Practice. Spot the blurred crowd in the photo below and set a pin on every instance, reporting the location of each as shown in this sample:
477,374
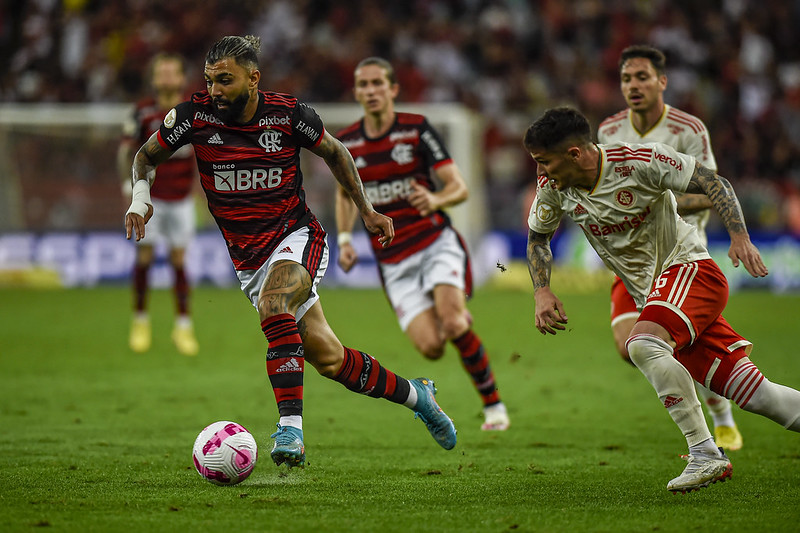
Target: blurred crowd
734,63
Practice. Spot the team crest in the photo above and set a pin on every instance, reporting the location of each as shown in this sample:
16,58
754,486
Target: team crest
270,140
169,120
624,198
403,153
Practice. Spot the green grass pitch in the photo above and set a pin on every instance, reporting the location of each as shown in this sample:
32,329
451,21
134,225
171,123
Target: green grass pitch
96,438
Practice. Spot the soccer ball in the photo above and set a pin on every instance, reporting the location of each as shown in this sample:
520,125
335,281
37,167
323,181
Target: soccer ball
225,453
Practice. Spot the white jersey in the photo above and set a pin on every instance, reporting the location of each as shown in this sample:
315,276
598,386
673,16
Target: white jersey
684,132
630,217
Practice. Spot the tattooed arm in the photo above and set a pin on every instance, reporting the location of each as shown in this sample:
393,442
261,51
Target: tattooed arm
344,170
692,203
721,194
149,156
549,312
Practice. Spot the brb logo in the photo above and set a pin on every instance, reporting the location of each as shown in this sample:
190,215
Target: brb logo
244,179
270,140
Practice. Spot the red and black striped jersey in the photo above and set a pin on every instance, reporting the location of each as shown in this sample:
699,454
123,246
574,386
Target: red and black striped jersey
387,165
250,172
174,177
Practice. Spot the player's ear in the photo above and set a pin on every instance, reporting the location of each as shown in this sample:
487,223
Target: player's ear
574,152
255,77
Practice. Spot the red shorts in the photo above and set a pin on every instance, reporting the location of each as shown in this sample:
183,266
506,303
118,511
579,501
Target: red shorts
687,300
622,304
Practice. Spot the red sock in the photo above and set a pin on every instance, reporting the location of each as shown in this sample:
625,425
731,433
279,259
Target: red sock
140,285
181,291
476,362
285,363
363,373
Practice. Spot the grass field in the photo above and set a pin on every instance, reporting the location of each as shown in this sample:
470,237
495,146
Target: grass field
97,438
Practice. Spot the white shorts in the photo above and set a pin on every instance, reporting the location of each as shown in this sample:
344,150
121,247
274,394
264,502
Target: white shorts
294,247
409,284
173,223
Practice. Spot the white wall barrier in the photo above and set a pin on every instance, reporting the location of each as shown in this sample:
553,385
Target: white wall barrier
86,259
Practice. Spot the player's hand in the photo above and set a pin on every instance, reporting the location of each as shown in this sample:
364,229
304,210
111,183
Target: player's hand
550,315
380,225
134,223
745,251
422,199
347,256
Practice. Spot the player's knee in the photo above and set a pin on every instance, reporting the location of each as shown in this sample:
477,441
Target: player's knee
430,348
622,350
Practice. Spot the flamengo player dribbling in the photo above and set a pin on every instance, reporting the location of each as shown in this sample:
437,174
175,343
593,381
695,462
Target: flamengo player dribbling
426,272
247,143
620,195
643,79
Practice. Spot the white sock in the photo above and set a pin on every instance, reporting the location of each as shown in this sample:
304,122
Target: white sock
295,421
719,407
707,447
673,384
183,321
411,401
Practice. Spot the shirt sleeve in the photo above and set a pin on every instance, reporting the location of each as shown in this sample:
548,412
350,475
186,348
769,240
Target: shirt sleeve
177,130
699,146
307,127
669,168
433,150
546,212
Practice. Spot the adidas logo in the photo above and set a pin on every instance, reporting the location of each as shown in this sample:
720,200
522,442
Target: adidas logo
285,250
669,401
290,366
655,294
579,210
360,162
215,139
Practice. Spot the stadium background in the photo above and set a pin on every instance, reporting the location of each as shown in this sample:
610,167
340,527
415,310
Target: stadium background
487,68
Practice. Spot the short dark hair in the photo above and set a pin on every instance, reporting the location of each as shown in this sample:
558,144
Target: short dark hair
242,49
556,126
656,56
382,63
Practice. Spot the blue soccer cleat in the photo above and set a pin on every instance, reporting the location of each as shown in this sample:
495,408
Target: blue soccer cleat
288,447
437,422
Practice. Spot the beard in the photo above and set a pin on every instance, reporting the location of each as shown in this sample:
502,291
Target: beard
234,108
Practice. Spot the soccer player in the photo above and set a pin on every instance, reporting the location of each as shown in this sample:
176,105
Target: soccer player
647,120
247,144
426,272
174,219
620,195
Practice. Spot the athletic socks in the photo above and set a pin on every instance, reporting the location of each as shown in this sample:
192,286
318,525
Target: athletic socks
476,363
362,373
140,284
181,287
673,384
719,407
285,363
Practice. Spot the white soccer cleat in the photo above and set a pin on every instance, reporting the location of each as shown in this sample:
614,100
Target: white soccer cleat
702,471
495,418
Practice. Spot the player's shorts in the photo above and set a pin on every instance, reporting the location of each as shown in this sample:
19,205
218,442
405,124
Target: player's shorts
409,284
622,304
173,223
306,246
687,300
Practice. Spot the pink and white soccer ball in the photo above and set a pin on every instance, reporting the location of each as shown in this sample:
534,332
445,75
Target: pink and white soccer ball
225,453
